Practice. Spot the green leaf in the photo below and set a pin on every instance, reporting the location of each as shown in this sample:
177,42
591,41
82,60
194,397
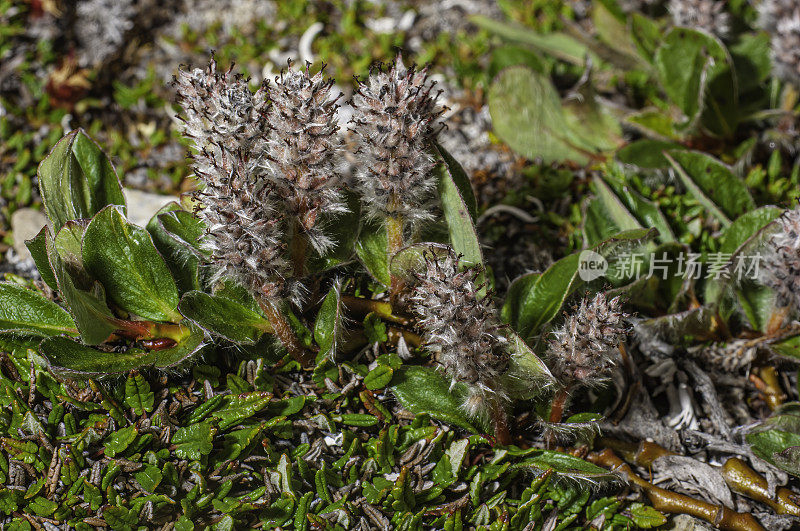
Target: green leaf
42,506
138,395
460,179
712,183
118,441
327,327
534,299
746,226
195,441
646,153
645,35
88,308
463,236
372,248
527,375
422,390
751,56
378,378
149,478
38,249
660,127
224,317
688,61
590,126
71,359
27,312
558,45
124,259
527,115
643,212
77,180
120,518
182,258
238,408
565,465
645,516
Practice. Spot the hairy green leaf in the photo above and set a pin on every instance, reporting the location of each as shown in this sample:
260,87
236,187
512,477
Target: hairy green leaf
123,258
77,180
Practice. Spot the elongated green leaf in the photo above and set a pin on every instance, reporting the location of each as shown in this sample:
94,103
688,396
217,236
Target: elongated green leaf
460,179
77,180
566,465
38,250
372,248
224,317
327,327
712,183
88,308
27,312
630,210
138,395
556,44
423,390
124,259
72,359
616,210
463,236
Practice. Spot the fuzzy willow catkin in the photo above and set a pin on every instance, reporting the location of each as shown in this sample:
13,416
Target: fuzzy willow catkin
780,267
222,117
583,350
304,150
395,116
708,15
461,325
781,18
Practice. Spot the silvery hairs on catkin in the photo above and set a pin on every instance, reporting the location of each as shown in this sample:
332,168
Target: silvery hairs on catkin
395,117
238,206
780,268
781,18
305,150
461,325
584,349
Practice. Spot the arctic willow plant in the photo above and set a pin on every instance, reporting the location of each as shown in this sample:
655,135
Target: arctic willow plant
250,254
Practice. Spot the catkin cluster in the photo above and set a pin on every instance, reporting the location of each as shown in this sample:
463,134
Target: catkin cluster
461,325
584,349
395,116
780,269
269,162
781,18
708,15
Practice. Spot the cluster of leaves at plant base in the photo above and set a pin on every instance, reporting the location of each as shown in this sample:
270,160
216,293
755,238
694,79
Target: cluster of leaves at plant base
227,450
120,298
